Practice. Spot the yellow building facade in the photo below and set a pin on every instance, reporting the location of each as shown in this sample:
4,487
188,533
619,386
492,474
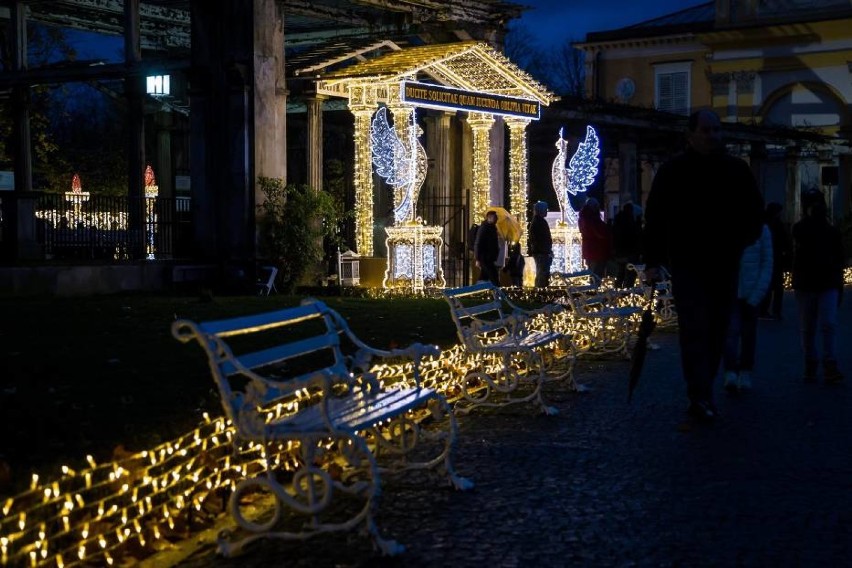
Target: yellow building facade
781,68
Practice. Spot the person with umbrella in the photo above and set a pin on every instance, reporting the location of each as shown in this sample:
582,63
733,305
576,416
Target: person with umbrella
701,247
486,249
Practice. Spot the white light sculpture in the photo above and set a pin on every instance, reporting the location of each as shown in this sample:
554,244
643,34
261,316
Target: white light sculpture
414,249
574,179
402,164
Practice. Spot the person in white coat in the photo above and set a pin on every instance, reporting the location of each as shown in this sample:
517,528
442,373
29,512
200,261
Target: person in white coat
754,279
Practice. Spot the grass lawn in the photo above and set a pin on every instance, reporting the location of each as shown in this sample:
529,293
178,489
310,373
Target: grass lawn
86,375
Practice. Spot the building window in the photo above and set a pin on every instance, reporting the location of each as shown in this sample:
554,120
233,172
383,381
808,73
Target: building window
672,82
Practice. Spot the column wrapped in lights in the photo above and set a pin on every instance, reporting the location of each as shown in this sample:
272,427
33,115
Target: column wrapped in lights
518,174
363,182
480,196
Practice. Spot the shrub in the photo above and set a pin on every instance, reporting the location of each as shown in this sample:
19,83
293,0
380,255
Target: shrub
292,223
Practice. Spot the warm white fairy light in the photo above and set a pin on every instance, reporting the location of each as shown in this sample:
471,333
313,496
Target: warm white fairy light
363,183
518,173
480,193
103,519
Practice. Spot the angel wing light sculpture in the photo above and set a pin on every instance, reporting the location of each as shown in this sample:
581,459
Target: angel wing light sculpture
576,178
401,163
579,174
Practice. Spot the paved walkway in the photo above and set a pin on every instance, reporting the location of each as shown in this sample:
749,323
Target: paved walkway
605,483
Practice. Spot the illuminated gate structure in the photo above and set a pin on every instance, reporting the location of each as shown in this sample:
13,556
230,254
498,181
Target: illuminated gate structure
464,76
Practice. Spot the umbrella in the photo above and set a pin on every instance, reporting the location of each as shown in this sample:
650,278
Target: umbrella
507,225
637,360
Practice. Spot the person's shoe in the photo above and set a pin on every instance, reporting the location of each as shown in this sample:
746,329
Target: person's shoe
702,410
745,380
731,383
810,371
832,373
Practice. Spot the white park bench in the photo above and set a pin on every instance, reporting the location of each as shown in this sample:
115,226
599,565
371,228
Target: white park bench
664,307
602,319
512,346
302,387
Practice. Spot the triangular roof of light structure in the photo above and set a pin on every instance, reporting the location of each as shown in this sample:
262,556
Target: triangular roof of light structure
469,65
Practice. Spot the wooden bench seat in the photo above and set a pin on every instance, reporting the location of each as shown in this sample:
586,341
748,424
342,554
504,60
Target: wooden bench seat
301,384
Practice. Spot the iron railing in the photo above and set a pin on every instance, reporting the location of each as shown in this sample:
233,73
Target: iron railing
83,227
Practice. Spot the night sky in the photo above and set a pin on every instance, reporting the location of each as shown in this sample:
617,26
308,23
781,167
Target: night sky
553,21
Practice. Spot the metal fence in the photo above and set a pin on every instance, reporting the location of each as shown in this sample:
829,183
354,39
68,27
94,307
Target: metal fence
83,227
452,215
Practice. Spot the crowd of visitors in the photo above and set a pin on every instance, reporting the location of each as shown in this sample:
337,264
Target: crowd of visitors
722,281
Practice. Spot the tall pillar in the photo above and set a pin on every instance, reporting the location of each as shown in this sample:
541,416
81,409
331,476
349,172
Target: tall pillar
496,158
401,120
238,101
519,173
480,191
314,124
134,90
363,182
165,177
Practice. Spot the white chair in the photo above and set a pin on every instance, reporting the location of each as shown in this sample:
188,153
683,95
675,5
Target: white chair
349,268
265,287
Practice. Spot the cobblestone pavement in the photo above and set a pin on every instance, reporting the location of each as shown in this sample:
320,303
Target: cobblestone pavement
605,483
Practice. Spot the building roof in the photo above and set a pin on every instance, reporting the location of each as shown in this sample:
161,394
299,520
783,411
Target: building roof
695,19
467,65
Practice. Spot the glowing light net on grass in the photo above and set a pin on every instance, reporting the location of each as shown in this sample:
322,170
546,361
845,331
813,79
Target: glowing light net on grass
131,508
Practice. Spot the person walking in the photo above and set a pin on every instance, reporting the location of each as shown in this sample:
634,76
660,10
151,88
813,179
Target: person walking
755,273
627,244
486,249
818,264
770,307
701,246
540,245
597,237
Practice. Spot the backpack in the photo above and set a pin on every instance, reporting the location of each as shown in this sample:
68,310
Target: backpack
471,237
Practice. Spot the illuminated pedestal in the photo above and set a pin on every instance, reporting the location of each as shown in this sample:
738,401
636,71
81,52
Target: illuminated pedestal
414,257
567,249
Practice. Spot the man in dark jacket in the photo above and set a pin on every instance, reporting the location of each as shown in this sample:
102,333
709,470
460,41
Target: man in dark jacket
540,245
704,208
486,249
818,264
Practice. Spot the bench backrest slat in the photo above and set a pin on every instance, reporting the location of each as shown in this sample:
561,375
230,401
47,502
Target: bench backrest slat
280,353
259,322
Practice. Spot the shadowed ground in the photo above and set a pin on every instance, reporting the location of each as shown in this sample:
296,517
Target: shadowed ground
605,483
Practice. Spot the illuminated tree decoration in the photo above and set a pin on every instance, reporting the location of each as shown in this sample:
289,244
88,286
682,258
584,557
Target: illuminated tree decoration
574,179
151,188
402,164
